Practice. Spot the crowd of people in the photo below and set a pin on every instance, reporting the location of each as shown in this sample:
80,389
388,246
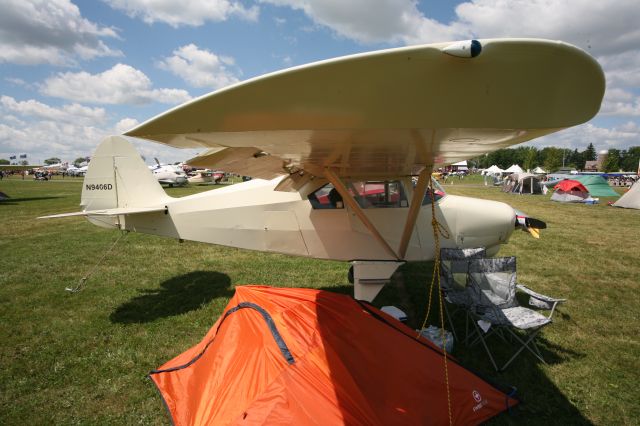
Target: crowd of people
622,180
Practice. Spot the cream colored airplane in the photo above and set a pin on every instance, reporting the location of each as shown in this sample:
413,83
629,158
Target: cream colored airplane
333,147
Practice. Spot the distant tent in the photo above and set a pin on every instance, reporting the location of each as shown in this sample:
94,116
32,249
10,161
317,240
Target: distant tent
522,183
303,356
514,169
631,199
493,170
461,165
539,171
596,185
570,191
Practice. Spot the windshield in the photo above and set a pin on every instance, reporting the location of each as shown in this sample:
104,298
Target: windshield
439,192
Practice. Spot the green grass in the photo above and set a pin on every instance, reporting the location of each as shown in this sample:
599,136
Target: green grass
83,358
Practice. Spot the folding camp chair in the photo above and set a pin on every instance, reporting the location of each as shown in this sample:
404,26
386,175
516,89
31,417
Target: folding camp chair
454,268
492,288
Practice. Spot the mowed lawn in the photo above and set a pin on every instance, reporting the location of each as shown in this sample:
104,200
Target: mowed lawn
82,358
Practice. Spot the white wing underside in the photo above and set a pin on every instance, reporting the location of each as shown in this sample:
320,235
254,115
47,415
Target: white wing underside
387,113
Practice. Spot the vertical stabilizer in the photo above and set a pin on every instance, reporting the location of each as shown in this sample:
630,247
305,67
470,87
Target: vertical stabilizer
117,177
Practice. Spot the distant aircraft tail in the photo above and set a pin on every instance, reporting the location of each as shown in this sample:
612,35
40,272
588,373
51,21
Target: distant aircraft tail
117,178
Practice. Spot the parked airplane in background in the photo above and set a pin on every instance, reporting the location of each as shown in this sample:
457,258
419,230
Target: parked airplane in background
333,147
77,171
169,174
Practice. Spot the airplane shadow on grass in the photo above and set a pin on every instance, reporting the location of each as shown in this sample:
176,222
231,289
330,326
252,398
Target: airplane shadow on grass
175,296
14,201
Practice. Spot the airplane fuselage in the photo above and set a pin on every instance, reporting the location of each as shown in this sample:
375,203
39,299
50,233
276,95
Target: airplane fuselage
251,215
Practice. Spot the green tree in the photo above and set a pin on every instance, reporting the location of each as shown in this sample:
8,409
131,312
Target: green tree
79,161
4,161
531,159
574,159
612,163
589,154
630,159
552,158
52,160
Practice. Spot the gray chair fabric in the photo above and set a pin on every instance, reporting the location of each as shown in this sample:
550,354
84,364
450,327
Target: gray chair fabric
454,269
492,285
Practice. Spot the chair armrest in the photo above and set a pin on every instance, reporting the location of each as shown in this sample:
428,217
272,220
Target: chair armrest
538,295
540,300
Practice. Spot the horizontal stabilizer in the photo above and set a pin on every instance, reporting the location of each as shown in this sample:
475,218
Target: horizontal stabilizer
109,212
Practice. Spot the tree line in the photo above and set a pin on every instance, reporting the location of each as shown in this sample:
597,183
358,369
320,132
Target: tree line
552,159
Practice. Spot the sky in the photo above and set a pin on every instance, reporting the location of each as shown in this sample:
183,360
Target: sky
73,72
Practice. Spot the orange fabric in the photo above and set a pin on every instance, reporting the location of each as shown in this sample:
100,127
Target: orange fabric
349,368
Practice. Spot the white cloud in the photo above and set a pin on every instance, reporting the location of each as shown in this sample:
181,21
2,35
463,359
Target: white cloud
620,137
125,125
51,32
71,113
122,84
619,102
603,27
185,12
365,21
200,68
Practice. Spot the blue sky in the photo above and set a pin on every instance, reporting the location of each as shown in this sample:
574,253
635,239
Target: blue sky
74,72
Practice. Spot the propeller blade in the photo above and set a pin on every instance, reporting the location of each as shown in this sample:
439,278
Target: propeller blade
529,224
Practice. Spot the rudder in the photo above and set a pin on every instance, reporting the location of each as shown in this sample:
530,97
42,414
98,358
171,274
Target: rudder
118,177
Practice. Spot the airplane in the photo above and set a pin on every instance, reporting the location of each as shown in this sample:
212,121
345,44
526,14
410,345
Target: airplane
341,153
72,170
168,174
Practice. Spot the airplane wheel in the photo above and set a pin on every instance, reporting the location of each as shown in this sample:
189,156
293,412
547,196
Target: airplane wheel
350,274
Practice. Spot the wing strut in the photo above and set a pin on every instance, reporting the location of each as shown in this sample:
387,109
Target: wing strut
414,209
348,198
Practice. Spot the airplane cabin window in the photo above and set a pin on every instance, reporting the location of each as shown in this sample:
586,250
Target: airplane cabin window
368,194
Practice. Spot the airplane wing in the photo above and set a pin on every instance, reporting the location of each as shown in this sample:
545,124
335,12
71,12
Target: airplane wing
390,112
109,212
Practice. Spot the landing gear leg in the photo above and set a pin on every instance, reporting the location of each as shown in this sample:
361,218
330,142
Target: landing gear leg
369,276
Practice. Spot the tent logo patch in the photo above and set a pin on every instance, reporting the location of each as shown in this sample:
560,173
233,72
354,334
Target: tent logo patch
478,398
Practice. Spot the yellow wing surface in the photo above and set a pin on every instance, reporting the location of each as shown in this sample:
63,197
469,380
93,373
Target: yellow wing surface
389,112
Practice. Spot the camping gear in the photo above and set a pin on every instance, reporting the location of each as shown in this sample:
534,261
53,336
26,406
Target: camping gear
631,199
434,334
570,191
522,183
493,285
596,185
397,313
304,356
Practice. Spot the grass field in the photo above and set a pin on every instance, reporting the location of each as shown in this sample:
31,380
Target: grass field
83,358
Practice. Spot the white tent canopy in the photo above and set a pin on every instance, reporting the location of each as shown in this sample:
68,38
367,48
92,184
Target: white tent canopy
515,169
631,199
494,169
538,170
461,165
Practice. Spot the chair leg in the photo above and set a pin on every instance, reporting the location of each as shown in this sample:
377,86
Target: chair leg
450,319
486,348
525,345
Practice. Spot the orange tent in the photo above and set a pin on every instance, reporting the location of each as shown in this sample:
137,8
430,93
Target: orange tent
302,356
